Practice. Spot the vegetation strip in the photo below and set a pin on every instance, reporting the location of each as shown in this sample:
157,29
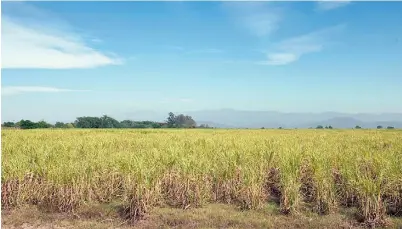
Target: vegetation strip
61,170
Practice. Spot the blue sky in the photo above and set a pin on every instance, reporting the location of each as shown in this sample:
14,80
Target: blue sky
61,60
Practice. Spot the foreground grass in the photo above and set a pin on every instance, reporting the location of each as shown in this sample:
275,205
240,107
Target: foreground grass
301,170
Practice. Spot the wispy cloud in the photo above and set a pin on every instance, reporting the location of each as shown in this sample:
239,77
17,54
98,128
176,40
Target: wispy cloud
31,38
15,90
324,5
292,49
260,18
280,59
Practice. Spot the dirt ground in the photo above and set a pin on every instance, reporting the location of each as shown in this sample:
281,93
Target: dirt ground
211,216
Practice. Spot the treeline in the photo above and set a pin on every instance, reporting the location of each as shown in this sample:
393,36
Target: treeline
173,121
28,124
356,127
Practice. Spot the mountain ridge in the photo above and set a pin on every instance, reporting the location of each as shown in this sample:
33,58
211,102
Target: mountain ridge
231,118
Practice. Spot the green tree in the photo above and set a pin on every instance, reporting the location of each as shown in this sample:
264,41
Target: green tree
9,124
171,120
357,127
379,127
139,124
109,122
60,125
69,125
155,125
185,121
26,124
390,127
204,126
127,124
330,127
180,121
96,122
88,122
319,127
42,124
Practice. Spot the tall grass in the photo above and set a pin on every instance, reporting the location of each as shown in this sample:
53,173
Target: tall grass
320,170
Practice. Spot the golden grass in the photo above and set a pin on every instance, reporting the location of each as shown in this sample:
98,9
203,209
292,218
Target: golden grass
319,170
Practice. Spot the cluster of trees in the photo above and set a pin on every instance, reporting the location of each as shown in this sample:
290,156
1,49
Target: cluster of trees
173,121
356,127
180,121
378,127
326,127
96,122
28,124
388,127
109,122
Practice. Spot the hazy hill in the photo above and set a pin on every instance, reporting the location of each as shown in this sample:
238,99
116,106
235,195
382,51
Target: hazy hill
230,118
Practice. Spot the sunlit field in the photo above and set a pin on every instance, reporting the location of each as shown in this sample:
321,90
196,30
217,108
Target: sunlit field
321,171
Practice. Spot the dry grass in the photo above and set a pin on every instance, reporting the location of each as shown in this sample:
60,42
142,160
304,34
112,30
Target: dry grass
210,216
317,170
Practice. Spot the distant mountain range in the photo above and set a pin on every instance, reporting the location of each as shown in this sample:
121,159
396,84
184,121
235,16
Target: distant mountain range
230,118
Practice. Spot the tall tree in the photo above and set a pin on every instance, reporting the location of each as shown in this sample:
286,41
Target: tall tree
88,122
180,121
70,125
60,125
109,122
43,124
127,124
171,120
26,124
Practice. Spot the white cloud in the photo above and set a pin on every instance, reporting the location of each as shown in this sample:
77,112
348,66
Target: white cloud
325,5
15,90
32,39
279,59
292,49
260,18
